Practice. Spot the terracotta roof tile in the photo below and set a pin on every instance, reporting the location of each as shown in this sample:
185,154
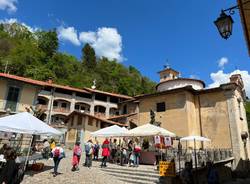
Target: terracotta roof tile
108,93
122,116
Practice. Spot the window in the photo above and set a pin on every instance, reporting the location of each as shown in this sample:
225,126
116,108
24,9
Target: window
12,98
125,109
77,107
101,97
64,105
160,107
96,123
239,109
55,104
82,108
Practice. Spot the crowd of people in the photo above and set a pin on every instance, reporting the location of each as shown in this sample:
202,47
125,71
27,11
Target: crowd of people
111,151
123,153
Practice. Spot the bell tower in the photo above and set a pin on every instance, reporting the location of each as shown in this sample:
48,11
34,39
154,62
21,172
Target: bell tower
168,74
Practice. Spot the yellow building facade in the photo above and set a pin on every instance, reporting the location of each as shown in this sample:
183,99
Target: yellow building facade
17,95
184,106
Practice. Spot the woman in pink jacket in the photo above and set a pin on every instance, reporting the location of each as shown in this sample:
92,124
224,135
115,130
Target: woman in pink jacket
105,152
77,152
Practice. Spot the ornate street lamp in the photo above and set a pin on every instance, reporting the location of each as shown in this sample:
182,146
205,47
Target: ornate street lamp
224,24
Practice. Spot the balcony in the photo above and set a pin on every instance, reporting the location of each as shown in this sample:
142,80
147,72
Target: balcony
43,107
61,110
100,115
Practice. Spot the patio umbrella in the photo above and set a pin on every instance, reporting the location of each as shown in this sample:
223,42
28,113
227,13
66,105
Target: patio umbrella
148,130
112,131
195,138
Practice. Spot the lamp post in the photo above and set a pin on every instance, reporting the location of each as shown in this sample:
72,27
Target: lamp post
224,22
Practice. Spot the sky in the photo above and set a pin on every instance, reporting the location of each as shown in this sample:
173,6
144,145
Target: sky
146,34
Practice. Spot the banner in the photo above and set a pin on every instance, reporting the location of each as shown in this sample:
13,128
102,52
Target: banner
167,141
157,139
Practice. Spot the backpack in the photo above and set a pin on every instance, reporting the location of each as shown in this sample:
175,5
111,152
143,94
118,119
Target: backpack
57,152
88,149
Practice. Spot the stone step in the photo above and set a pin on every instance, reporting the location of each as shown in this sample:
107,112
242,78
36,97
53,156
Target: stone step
134,179
133,172
133,175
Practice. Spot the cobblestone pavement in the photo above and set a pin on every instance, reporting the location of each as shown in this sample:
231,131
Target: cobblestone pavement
112,174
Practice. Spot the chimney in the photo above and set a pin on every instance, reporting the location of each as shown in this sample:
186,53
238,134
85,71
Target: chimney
236,78
50,80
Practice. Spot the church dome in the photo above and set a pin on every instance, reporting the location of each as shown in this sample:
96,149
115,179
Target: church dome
169,79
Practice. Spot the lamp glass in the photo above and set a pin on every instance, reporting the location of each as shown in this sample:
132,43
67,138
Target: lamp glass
224,25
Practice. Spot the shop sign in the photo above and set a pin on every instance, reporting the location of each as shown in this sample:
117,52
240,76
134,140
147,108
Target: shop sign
167,168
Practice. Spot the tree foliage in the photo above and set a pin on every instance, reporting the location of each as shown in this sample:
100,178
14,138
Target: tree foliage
247,106
88,57
35,55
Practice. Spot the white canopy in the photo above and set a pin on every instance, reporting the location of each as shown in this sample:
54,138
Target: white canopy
194,138
26,123
149,130
112,131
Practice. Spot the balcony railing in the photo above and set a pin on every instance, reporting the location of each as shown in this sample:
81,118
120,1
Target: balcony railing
43,107
85,111
100,115
60,109
202,156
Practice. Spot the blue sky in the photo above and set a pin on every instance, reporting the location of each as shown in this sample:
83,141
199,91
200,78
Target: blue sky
144,33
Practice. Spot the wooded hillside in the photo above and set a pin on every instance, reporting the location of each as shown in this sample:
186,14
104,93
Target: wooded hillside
36,55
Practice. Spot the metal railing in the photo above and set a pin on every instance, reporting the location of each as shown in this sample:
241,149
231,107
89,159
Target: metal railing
202,156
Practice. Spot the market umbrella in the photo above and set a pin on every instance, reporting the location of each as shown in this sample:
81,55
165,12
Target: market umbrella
112,131
149,130
195,138
26,123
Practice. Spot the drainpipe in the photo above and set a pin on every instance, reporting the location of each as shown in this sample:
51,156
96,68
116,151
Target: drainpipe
200,123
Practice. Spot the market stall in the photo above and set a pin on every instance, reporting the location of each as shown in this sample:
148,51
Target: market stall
26,123
149,133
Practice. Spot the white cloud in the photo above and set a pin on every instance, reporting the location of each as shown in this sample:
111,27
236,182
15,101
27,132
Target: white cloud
14,20
68,34
88,37
107,42
222,62
9,5
220,77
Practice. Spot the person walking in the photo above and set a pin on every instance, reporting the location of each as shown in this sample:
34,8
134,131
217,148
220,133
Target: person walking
137,150
96,150
105,152
88,153
113,147
77,152
57,154
131,156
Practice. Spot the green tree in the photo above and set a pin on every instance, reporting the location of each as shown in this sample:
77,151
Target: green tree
88,57
247,106
48,42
